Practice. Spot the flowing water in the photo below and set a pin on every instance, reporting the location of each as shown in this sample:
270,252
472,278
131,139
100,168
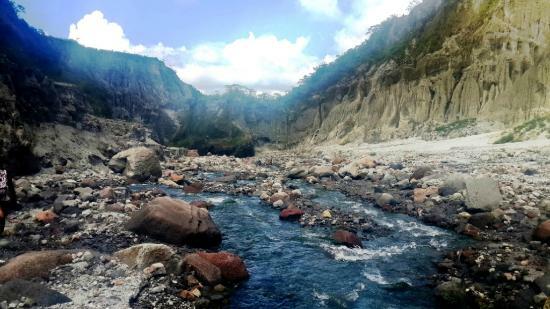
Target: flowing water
294,267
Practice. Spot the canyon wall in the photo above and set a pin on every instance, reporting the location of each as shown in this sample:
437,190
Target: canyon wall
492,64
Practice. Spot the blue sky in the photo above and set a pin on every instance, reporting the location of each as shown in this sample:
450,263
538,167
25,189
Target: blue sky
268,45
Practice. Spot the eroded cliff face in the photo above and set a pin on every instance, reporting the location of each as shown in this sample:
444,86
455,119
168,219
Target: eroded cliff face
494,66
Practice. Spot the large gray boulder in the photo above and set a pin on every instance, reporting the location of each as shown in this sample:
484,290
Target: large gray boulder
138,164
482,194
176,222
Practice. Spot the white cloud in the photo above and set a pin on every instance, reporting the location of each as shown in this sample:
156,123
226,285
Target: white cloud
327,8
93,30
265,63
363,15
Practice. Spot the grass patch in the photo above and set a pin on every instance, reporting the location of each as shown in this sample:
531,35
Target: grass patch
507,138
528,130
455,126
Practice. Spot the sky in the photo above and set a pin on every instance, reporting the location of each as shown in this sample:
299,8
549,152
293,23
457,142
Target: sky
267,45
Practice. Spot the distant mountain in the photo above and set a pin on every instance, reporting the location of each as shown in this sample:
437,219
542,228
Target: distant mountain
46,79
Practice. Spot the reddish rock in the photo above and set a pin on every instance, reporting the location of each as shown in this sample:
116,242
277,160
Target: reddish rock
542,232
34,264
177,222
291,214
45,217
107,193
204,270
348,239
177,178
193,153
231,266
187,295
193,188
420,195
88,182
470,230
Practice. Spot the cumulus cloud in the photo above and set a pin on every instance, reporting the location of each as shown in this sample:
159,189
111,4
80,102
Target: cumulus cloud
94,30
328,8
265,63
364,14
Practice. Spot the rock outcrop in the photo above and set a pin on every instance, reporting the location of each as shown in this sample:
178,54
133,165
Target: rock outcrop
138,164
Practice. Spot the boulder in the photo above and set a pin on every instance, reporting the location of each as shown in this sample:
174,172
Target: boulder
39,295
482,194
168,183
420,195
348,239
231,266
144,255
85,194
193,188
452,293
350,170
366,162
421,172
470,230
202,204
34,264
279,196
321,171
384,199
138,164
326,214
177,178
291,214
107,193
297,173
453,184
45,217
483,219
176,222
204,270
542,232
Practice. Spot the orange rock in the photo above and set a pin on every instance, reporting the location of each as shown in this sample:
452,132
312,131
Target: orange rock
543,231
420,195
46,216
176,178
187,295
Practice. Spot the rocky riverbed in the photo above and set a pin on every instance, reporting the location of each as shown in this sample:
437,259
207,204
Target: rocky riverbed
97,238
